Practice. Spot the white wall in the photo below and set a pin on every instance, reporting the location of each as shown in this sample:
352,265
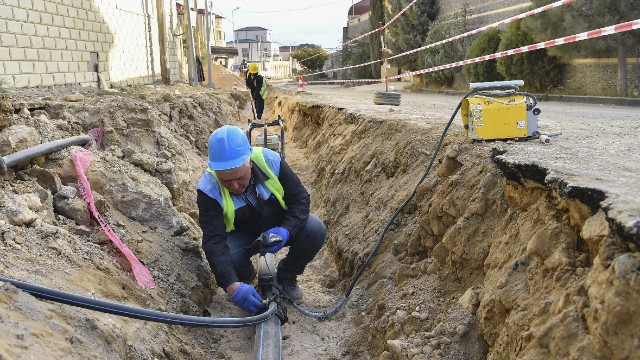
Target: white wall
53,42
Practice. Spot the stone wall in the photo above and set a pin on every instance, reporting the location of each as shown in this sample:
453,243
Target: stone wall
599,77
60,42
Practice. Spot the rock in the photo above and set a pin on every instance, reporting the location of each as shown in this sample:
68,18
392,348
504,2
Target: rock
164,154
461,330
18,137
68,205
6,111
594,230
144,161
626,267
45,178
24,113
47,98
470,300
540,244
73,97
165,167
440,253
395,348
17,211
449,167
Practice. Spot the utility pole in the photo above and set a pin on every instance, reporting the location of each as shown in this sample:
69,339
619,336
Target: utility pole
193,77
233,27
162,37
197,35
208,20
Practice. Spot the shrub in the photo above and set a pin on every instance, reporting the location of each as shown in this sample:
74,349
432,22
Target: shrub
485,44
539,70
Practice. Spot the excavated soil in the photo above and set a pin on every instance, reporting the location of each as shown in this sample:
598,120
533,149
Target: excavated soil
499,255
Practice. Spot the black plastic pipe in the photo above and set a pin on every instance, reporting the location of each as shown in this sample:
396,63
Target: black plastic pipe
49,147
136,312
268,339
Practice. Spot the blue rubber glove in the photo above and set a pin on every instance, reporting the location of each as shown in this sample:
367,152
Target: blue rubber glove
247,298
283,234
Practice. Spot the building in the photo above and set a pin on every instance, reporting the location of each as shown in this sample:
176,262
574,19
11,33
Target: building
255,44
90,43
358,20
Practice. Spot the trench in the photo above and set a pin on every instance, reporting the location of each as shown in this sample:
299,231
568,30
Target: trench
487,261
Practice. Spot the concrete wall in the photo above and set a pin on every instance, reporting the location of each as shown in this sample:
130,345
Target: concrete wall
58,42
599,77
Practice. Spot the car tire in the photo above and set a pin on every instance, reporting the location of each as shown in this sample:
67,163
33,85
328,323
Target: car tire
387,98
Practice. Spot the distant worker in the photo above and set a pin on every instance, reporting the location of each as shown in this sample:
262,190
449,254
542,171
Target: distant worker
258,88
246,192
243,68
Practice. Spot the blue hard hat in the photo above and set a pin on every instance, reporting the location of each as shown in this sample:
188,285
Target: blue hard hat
228,148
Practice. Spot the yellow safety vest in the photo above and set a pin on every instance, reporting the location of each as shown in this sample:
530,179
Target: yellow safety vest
273,184
263,89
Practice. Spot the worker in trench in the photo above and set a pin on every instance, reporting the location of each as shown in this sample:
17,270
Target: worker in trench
246,192
258,88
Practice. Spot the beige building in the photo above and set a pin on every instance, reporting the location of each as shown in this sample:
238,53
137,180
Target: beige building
61,42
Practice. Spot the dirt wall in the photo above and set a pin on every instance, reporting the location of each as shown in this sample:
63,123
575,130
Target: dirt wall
476,266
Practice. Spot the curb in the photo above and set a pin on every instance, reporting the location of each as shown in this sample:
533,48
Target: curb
601,100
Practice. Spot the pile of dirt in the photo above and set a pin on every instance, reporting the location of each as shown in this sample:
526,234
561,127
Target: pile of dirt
224,79
484,261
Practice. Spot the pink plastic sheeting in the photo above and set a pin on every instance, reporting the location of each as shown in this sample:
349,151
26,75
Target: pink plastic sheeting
81,161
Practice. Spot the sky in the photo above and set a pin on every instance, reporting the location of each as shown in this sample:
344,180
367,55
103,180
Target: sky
292,22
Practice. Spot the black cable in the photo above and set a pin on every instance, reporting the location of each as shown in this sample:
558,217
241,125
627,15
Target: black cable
136,312
334,309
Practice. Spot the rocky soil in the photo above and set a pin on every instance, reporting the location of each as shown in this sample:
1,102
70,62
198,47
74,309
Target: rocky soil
506,251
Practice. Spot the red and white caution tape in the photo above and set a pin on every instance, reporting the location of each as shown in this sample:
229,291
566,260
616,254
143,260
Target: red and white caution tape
472,32
614,29
487,27
81,161
343,81
367,34
344,68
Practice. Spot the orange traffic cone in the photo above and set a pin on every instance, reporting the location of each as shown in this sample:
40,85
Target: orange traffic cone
300,84
235,86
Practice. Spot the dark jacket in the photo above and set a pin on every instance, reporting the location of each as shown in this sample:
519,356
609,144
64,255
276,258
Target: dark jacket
254,84
249,220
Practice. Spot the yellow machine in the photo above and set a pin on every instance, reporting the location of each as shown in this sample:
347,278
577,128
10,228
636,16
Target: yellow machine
498,111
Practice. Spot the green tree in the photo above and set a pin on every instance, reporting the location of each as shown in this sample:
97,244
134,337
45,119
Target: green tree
408,31
539,70
376,18
356,53
447,53
314,63
485,44
586,15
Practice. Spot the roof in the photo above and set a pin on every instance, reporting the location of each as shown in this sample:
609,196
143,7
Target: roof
252,28
359,8
179,8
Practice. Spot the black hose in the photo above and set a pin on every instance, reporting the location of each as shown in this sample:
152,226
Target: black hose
136,312
28,154
331,311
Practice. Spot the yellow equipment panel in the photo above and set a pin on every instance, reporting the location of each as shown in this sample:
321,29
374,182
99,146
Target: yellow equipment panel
495,118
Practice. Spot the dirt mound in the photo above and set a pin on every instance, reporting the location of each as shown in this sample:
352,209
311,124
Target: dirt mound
486,261
225,79
477,265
